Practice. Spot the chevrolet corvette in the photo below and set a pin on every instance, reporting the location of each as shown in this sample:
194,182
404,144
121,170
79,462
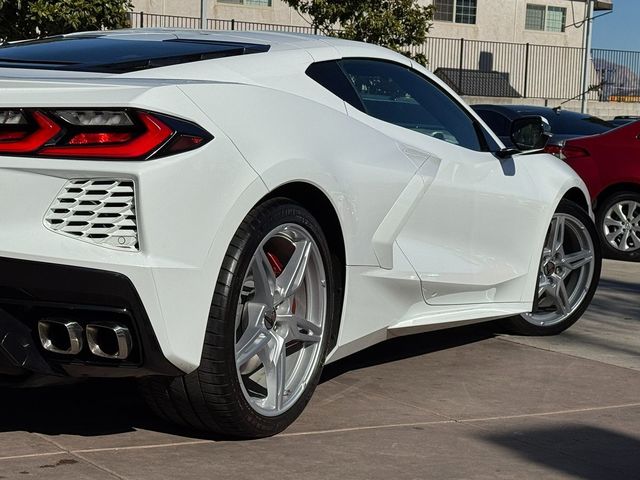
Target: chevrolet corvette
221,214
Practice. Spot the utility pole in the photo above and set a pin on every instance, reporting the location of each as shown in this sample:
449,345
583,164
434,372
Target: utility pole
203,14
586,64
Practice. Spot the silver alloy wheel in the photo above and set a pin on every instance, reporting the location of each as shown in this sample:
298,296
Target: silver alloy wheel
280,323
566,271
621,226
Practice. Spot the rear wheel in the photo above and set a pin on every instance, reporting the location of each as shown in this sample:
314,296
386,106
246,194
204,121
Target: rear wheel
268,333
568,275
618,221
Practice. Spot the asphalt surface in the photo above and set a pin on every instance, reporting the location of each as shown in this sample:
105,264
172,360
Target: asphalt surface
464,403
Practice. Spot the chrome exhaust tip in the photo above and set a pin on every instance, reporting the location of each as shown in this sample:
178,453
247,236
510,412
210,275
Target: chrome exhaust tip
64,337
109,340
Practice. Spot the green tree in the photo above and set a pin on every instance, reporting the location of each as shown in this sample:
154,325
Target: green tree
396,24
23,19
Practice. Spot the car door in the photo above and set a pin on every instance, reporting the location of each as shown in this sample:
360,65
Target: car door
468,231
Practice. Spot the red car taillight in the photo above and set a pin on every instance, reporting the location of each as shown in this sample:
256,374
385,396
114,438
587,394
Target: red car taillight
125,134
567,152
553,150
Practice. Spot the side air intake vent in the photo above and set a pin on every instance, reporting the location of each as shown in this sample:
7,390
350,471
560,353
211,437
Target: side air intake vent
100,211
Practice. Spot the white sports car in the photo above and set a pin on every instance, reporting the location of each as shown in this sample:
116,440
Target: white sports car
221,214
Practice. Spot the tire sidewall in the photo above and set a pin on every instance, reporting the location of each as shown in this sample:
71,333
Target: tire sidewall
269,216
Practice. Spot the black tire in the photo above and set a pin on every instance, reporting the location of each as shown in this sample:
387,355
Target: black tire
608,250
211,399
520,326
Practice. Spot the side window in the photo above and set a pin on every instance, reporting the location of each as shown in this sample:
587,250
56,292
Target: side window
500,124
396,94
330,76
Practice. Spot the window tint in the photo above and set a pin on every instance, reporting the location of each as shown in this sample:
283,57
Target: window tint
330,76
500,124
117,54
398,95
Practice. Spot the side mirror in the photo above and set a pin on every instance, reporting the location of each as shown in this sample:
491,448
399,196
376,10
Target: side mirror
530,133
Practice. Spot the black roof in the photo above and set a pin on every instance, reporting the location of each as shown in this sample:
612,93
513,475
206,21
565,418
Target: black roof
477,82
116,54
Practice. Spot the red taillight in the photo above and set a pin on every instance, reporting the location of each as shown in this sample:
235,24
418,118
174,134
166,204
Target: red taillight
99,138
567,152
553,150
154,135
32,138
11,136
97,134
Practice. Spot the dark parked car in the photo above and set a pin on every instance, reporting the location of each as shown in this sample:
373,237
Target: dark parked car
609,164
624,119
564,124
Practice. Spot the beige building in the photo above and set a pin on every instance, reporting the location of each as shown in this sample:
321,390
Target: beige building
544,22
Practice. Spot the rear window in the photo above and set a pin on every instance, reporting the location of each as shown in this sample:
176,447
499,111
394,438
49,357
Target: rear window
581,125
101,53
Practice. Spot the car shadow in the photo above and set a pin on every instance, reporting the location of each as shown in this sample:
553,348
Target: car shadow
115,406
579,451
410,346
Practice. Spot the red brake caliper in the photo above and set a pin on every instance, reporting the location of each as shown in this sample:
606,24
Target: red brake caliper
277,267
275,263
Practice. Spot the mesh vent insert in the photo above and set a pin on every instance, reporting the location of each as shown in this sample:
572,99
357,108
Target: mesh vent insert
100,211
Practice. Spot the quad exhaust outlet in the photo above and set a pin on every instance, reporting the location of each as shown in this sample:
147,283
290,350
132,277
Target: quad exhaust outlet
61,336
108,340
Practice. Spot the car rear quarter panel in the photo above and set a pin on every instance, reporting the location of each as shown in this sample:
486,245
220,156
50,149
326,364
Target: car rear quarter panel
287,138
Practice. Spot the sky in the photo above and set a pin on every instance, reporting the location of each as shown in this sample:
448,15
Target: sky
618,30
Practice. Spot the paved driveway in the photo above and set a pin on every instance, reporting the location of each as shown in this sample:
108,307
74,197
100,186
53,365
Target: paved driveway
457,404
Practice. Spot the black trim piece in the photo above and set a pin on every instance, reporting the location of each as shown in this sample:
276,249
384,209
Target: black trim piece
30,290
105,54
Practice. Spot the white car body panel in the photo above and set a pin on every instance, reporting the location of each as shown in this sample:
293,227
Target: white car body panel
423,220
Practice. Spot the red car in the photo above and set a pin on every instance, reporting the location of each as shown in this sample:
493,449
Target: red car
609,163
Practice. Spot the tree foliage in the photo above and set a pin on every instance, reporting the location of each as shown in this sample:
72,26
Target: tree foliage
396,24
23,19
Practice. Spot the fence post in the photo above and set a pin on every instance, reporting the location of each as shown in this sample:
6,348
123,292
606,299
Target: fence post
526,71
141,19
460,92
233,24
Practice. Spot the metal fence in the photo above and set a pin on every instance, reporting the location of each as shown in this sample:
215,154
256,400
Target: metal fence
499,69
152,20
483,68
619,74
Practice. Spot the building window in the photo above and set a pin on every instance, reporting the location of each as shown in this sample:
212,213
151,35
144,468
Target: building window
458,11
250,3
541,18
